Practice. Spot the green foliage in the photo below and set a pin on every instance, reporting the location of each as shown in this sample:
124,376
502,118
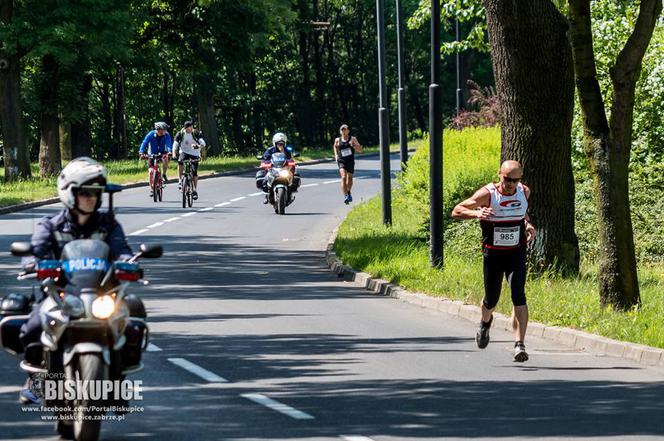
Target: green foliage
477,148
469,13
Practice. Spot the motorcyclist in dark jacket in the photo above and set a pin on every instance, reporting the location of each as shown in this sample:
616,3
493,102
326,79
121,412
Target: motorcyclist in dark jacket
279,141
80,187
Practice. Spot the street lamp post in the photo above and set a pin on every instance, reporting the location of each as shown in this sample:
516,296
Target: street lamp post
383,118
401,91
459,98
436,143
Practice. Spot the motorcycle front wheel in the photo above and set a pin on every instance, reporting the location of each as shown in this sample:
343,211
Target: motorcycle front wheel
87,422
280,200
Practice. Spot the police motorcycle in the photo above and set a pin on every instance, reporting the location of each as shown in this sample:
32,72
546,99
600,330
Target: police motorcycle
92,329
281,180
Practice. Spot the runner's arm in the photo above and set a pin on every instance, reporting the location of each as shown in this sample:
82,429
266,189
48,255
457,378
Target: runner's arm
475,207
530,228
335,147
356,144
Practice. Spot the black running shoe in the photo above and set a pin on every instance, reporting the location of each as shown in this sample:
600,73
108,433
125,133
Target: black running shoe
520,354
482,336
194,195
266,201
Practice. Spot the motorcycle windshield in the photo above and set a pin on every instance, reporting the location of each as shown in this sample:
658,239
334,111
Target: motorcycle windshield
85,262
278,160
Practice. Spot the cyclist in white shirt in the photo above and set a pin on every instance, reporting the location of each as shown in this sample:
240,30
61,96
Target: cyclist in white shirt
188,145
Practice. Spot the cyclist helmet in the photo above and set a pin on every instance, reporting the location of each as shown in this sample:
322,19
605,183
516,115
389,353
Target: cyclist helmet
160,125
80,172
279,137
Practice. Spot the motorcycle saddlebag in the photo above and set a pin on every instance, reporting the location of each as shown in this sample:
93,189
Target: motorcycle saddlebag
10,329
136,306
14,304
296,183
135,333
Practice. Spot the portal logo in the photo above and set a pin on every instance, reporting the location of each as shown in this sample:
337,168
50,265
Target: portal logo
511,204
83,390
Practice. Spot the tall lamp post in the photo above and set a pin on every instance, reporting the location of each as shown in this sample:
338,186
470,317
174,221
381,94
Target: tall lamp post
401,91
459,98
436,143
383,118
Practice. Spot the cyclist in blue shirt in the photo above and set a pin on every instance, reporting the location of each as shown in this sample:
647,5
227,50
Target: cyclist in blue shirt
155,142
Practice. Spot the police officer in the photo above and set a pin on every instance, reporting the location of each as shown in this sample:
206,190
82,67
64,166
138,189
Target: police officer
80,187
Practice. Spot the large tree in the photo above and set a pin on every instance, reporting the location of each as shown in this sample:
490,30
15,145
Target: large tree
608,143
15,152
532,65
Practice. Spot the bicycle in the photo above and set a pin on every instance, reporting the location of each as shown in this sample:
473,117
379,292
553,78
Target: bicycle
188,183
156,182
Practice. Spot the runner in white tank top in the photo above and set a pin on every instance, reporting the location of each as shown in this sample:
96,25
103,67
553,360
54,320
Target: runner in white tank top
502,211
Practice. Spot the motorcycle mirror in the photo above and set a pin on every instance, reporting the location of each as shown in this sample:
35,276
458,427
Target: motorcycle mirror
21,249
113,188
151,251
259,156
296,154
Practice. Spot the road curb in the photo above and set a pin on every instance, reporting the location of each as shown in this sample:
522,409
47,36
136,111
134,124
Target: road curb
574,338
32,204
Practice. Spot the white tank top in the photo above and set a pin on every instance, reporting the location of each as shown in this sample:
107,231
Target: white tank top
506,228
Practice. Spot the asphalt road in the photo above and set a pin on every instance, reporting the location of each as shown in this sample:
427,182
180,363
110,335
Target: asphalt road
243,298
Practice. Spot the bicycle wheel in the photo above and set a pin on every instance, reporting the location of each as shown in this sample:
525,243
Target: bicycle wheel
190,196
185,190
161,190
156,177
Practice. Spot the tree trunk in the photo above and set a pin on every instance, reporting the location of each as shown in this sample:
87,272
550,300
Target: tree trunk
80,130
537,100
204,89
16,153
65,141
50,163
608,145
108,135
119,116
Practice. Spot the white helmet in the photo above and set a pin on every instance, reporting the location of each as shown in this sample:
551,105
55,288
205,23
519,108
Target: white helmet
279,137
80,171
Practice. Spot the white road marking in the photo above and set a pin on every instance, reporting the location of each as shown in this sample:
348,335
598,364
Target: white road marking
223,204
197,370
173,219
206,209
238,199
189,214
153,348
256,194
155,225
309,185
136,233
279,407
332,182
356,438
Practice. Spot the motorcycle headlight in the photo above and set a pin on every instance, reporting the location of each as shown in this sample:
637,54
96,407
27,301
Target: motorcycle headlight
73,306
284,173
103,307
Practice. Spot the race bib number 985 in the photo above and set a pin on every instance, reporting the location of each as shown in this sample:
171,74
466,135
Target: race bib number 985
505,236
